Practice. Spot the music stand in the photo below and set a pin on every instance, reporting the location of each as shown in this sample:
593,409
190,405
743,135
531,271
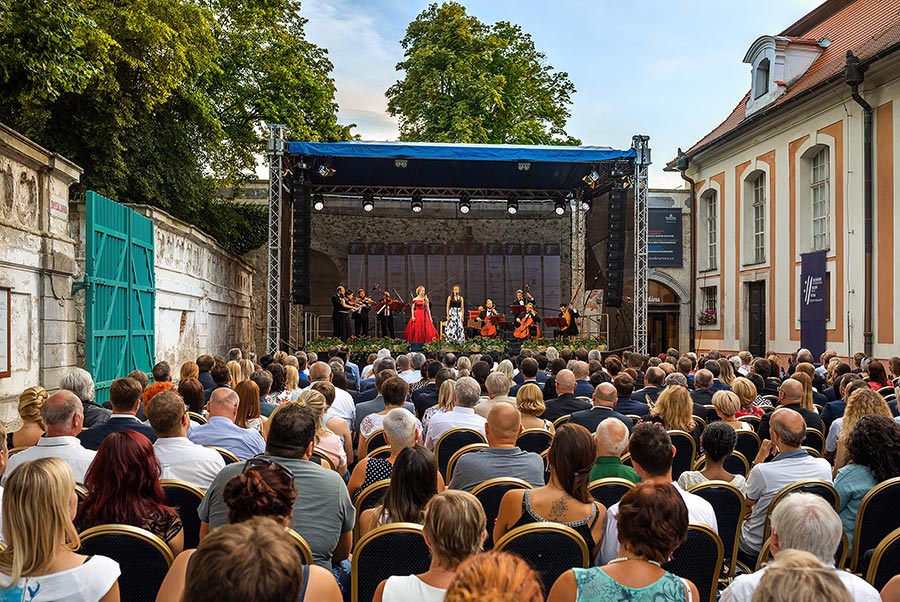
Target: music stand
517,309
398,306
559,323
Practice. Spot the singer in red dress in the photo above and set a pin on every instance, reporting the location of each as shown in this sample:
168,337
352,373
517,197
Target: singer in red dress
420,328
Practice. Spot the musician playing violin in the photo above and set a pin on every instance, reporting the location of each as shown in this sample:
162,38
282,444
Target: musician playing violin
361,313
530,317
569,314
384,316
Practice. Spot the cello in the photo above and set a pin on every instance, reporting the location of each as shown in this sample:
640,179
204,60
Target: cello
522,330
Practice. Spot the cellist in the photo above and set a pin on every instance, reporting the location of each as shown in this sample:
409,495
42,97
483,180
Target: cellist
529,320
488,329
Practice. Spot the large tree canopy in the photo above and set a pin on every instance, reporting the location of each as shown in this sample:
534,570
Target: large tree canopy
466,81
162,101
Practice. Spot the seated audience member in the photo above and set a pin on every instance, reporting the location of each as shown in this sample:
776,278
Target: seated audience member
123,488
62,414
273,576
766,479
571,458
323,514
40,561
178,457
727,405
703,387
405,370
495,577
860,402
611,439
462,415
654,381
30,402
873,453
565,402
674,410
746,392
292,384
446,401
263,380
583,387
625,405
835,409
428,389
370,393
717,443
604,400
191,391
248,413
327,442
429,398
335,424
498,387
400,431
204,365
790,396
278,392
502,458
125,397
651,456
530,402
393,392
221,431
162,381
79,382
644,543
188,370
264,490
141,377
414,481
343,406
528,371
797,576
806,522
454,530
877,375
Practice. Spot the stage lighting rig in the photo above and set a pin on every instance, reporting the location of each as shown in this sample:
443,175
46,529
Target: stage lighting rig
416,202
464,205
559,206
512,206
592,178
368,202
318,202
326,170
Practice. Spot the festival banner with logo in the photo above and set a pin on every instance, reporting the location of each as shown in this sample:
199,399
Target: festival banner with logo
665,242
812,302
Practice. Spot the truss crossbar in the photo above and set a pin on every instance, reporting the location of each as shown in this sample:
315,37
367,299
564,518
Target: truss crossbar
641,234
275,149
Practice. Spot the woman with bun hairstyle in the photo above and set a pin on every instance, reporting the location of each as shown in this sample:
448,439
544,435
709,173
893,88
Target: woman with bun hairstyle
30,403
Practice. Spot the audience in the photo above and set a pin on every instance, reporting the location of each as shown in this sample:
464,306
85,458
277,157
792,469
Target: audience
162,381
495,577
446,401
79,382
861,402
343,406
327,443
41,556
188,370
747,396
393,392
717,442
797,576
462,415
335,424
414,481
625,405
32,429
498,388
125,398
727,405
221,431
530,403
191,392
248,412
400,431
790,396
565,402
675,411
611,439
604,400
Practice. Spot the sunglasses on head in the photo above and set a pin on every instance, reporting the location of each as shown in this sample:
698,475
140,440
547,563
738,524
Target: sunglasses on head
260,463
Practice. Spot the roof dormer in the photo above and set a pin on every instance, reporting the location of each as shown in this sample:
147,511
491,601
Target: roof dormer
777,62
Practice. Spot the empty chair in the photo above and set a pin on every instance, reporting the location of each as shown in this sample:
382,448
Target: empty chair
876,519
143,558
490,493
185,498
550,548
685,452
450,442
728,504
610,490
395,549
699,559
885,561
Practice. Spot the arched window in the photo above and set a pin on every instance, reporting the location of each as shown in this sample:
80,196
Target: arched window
710,206
759,218
761,79
820,197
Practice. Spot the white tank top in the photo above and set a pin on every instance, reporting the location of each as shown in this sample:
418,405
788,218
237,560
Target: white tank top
411,589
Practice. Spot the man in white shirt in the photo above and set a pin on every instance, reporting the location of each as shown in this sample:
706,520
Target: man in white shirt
792,464
803,521
498,387
463,414
651,456
179,458
343,405
405,371
63,416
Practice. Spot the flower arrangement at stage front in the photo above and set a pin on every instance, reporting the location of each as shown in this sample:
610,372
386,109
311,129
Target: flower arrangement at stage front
708,316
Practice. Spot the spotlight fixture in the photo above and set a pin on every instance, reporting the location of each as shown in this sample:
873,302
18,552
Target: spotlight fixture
559,206
318,202
325,170
586,202
416,202
401,163
524,166
464,205
368,202
592,178
512,206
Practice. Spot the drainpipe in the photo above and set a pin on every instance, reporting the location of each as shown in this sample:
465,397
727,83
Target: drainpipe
853,76
681,164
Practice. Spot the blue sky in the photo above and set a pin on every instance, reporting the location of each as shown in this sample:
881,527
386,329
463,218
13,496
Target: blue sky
669,69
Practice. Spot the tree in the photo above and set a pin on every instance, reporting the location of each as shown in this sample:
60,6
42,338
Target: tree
466,81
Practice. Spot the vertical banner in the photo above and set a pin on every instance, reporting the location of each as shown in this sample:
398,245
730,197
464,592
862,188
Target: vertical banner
496,283
534,276
552,294
374,265
396,269
356,267
474,291
812,302
515,272
665,239
437,279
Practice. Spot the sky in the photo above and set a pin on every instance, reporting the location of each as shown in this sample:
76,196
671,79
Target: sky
671,69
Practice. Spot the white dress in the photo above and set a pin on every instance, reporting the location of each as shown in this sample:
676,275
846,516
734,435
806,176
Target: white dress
694,477
86,583
411,589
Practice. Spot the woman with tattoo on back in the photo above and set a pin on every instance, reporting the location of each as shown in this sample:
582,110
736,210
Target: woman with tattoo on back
565,499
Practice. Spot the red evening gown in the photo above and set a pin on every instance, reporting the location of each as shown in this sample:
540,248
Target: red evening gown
420,330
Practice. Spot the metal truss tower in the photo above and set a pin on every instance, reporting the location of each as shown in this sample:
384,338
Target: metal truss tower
275,152
641,144
578,251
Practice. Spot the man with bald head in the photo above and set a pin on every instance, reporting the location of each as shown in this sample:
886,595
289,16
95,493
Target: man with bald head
343,406
790,396
790,464
221,431
611,439
502,458
604,399
565,403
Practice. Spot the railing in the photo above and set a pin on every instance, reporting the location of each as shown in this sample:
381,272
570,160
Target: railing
311,326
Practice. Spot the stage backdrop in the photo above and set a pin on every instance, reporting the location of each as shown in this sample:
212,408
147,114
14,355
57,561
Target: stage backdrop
812,302
483,270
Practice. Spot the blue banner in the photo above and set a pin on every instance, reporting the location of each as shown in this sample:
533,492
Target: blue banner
812,302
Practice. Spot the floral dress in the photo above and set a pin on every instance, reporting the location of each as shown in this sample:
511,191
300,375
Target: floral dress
454,330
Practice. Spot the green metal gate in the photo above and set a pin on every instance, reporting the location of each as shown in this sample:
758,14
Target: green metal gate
120,303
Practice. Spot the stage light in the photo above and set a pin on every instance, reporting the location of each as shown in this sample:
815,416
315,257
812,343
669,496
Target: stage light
318,202
401,163
464,205
586,203
368,202
560,206
592,178
326,170
416,203
524,166
512,206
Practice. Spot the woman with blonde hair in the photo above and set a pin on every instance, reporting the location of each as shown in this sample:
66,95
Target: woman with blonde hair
495,577
335,424
674,409
327,443
806,381
446,399
728,404
30,403
234,369
248,415
463,367
862,402
247,369
798,576
726,371
291,380
530,402
506,369
39,504
746,392
188,370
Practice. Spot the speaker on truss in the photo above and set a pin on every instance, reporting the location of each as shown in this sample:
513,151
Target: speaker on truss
300,241
615,247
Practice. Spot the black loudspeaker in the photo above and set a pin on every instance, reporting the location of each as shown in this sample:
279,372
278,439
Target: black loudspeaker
302,230
615,247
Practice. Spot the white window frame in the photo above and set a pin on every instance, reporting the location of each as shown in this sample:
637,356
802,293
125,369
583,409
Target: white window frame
820,199
710,297
759,218
711,209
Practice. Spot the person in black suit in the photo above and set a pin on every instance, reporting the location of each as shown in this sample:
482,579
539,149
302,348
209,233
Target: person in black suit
604,399
385,317
125,397
566,402
790,395
654,380
703,387
340,315
624,385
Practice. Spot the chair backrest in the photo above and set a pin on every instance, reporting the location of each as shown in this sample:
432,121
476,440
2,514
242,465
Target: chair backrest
583,398
451,441
735,463
773,399
395,549
876,518
490,493
814,439
561,420
323,459
711,414
747,443
229,457
728,504
186,498
685,452
376,439
465,449
699,559
753,421
550,548
367,499
534,440
634,418
143,558
80,492
700,422
626,458
303,548
196,417
610,490
885,561
823,489
383,452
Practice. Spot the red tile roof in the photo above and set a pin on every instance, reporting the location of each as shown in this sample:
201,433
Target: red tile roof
867,27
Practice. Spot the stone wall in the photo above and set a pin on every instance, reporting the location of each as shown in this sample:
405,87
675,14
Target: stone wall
37,262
